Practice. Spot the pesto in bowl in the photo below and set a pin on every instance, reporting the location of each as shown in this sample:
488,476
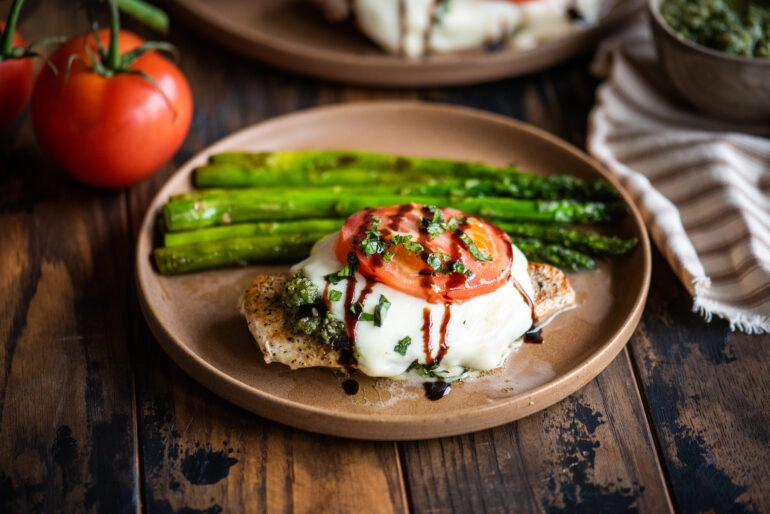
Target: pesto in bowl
738,27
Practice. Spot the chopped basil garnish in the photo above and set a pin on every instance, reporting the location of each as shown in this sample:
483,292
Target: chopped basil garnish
356,308
370,247
425,369
435,225
399,239
377,316
413,247
443,263
402,345
373,242
472,248
459,267
380,310
405,240
437,260
335,295
347,271
358,311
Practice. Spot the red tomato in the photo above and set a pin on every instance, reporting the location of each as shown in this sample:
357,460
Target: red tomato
110,131
441,255
15,83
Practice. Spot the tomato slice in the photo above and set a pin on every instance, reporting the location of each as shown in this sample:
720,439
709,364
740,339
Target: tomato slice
441,255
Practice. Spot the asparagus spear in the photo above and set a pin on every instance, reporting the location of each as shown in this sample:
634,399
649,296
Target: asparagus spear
219,176
283,228
239,251
237,176
236,251
244,175
560,211
327,167
455,190
252,193
575,239
555,255
322,160
583,241
194,214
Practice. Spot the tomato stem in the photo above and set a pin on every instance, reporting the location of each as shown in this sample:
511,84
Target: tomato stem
113,52
10,28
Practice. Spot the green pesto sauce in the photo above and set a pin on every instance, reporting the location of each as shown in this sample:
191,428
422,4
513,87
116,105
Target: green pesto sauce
739,27
305,305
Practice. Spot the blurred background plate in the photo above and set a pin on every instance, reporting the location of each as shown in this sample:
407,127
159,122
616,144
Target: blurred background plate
293,35
196,320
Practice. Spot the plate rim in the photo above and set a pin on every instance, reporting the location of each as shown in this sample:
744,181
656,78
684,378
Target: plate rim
257,401
381,69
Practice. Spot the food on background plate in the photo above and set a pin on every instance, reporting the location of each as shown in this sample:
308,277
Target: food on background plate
731,26
405,290
415,28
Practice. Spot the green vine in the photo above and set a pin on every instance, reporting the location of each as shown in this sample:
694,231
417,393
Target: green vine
7,50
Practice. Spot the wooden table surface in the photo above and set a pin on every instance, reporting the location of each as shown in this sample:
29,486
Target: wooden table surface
95,417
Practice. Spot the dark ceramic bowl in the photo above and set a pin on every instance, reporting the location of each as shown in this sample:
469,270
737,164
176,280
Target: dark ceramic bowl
716,83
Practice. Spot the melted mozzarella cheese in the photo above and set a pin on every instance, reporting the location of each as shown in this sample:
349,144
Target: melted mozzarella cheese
471,24
479,333
548,19
381,21
414,32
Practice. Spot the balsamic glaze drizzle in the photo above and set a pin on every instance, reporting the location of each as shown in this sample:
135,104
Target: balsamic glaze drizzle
350,386
436,390
534,335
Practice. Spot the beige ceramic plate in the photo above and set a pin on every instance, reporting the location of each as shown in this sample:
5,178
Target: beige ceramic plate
293,35
196,320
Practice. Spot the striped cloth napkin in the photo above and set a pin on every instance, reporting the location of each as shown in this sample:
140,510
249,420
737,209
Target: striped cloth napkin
702,185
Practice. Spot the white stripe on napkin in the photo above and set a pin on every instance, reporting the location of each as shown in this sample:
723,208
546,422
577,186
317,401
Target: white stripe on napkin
702,185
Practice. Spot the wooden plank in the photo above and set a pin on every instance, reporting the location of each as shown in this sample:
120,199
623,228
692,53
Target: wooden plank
67,425
67,421
589,453
707,391
202,454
